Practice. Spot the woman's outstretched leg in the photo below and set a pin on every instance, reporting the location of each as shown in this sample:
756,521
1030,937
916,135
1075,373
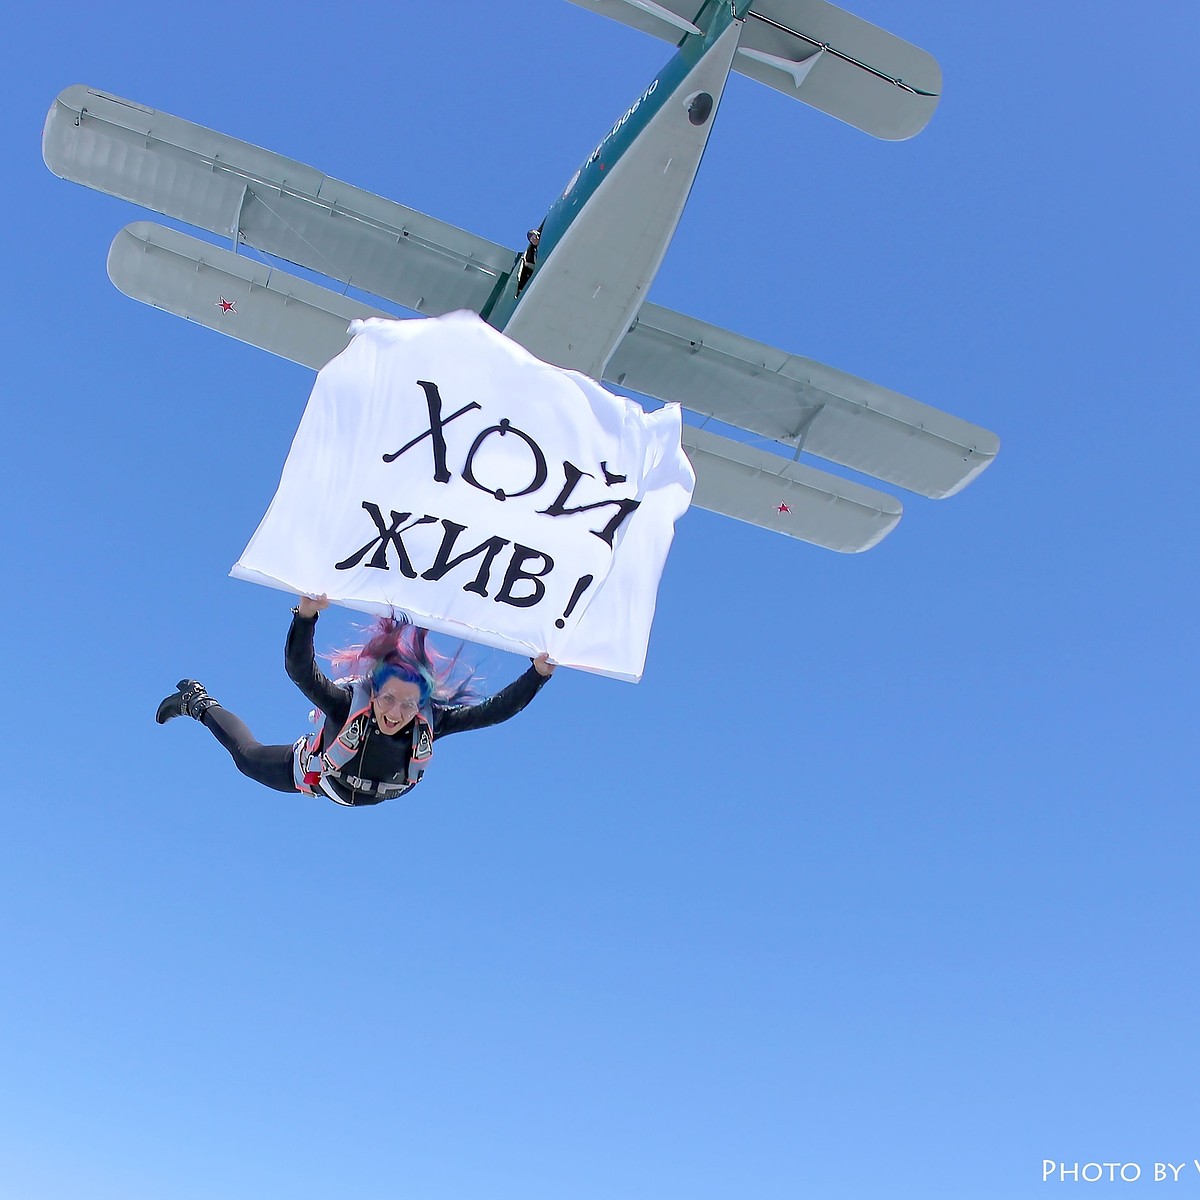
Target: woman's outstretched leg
268,765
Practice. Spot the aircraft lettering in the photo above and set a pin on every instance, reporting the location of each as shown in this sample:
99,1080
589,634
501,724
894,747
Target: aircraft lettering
632,109
595,154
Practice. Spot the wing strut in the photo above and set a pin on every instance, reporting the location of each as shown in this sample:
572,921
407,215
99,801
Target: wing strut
826,48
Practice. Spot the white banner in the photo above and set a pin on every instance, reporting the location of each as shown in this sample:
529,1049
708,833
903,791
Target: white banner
442,470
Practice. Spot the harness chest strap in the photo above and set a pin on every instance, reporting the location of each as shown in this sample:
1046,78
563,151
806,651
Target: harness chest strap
310,763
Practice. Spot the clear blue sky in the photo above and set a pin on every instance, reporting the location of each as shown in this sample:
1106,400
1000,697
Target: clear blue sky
883,882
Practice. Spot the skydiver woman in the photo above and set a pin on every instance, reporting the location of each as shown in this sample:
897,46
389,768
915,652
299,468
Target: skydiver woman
378,727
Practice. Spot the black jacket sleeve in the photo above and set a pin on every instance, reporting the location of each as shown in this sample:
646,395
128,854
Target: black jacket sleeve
301,664
504,704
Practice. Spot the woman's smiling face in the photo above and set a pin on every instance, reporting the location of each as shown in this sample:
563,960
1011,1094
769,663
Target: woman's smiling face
395,705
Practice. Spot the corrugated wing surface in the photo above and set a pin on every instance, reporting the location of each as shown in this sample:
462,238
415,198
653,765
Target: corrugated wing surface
787,398
277,205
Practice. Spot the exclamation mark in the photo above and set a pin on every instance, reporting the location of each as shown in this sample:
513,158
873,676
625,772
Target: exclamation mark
580,588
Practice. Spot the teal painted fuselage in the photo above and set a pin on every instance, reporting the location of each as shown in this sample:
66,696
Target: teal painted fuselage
574,292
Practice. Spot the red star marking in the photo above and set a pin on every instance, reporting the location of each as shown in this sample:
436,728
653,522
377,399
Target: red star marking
227,305
783,508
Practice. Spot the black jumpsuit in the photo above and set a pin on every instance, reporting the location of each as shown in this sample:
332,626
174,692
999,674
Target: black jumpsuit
382,758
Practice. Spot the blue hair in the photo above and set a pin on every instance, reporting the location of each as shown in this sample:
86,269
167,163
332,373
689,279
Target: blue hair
397,649
389,670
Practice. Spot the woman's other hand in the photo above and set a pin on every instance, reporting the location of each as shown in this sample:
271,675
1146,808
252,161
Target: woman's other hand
309,606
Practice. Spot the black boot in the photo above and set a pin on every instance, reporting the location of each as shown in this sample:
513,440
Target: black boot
191,700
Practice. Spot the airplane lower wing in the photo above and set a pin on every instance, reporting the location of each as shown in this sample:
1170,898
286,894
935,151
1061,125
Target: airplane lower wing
275,204
296,213
815,52
776,493
800,402
233,294
307,323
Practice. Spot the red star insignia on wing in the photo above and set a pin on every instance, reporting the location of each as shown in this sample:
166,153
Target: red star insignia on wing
783,508
227,305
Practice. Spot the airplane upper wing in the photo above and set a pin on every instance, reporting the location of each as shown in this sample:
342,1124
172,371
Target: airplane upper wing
291,211
275,204
799,402
815,52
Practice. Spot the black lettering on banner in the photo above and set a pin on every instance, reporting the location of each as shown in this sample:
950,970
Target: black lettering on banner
572,475
443,562
389,535
581,585
516,572
539,461
433,398
526,566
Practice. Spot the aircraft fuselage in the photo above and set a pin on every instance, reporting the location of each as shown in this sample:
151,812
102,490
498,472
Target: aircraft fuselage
604,238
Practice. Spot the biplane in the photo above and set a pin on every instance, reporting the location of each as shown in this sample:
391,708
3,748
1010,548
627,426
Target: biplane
575,293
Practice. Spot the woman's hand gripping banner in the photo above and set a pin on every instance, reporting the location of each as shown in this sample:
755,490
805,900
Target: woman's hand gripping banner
442,470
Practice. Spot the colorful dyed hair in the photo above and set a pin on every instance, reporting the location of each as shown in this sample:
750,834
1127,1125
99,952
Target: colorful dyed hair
395,648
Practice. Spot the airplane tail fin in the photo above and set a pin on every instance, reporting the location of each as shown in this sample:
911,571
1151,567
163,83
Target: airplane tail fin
815,52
